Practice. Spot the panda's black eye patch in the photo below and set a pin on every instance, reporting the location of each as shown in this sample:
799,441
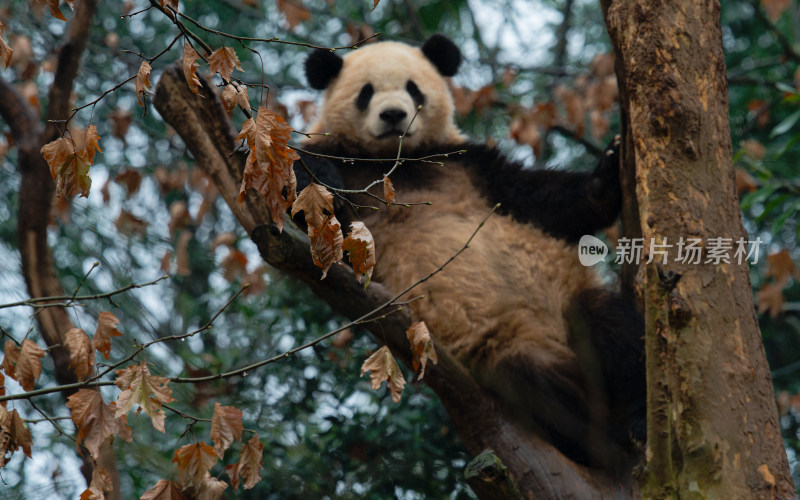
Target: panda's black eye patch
362,101
415,93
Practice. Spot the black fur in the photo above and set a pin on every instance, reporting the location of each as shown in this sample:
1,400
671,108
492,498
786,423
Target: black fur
365,96
415,93
566,205
322,66
443,53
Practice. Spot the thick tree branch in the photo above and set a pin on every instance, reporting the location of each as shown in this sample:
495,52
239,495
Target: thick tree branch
538,469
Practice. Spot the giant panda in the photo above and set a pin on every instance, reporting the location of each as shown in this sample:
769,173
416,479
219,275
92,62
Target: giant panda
561,353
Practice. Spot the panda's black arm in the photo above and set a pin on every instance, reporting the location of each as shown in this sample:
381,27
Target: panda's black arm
566,205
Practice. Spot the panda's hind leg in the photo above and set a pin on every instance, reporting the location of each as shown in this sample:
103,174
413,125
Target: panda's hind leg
548,398
607,336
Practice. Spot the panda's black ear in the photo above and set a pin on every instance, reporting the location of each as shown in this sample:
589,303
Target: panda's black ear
322,66
443,53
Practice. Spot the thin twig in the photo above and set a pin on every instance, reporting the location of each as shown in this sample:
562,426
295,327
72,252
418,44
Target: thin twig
68,299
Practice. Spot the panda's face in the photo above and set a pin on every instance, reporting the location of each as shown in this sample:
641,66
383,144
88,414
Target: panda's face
381,92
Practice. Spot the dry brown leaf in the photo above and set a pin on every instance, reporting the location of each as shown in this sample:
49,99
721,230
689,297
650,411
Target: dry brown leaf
248,133
131,179
383,367
190,67
146,390
130,225
10,358
13,435
234,265
57,153
249,465
5,51
235,95
101,482
759,108
226,426
268,169
95,420
770,299
73,178
81,354
775,8
308,109
575,107
602,65
294,12
342,339
55,11
745,182
29,364
179,216
754,149
524,130
164,490
194,461
227,239
360,248
313,201
91,143
106,328
69,166
121,120
183,267
224,61
326,244
781,266
142,84
484,98
388,190
421,347
211,489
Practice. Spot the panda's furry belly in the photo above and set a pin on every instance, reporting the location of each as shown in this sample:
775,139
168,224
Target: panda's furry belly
504,297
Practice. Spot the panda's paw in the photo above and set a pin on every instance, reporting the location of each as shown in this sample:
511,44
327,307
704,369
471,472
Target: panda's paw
604,187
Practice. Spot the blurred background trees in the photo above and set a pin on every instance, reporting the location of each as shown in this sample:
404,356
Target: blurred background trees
537,80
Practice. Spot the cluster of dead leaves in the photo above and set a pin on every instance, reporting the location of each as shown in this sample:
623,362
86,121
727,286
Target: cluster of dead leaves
781,268
194,461
269,170
589,99
94,420
383,367
98,422
37,6
69,162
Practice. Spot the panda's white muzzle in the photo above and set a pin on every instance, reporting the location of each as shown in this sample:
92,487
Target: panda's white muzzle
390,114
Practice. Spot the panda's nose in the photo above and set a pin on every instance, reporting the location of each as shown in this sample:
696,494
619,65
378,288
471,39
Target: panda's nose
393,116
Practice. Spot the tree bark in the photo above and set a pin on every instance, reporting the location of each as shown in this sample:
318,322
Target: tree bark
36,197
538,470
712,420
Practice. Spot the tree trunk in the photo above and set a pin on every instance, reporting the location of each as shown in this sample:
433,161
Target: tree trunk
35,200
537,468
712,420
